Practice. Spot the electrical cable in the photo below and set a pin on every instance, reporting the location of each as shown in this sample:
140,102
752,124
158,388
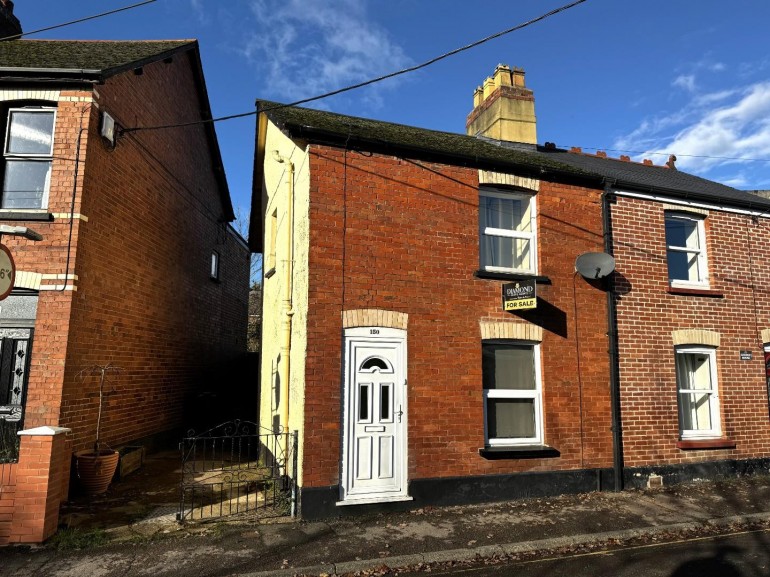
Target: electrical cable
78,21
370,81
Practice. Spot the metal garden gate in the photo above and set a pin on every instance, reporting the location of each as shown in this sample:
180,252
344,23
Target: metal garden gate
238,467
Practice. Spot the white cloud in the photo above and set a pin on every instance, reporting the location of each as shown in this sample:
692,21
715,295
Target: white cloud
714,134
686,81
302,49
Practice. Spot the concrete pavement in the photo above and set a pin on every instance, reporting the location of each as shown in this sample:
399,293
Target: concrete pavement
152,543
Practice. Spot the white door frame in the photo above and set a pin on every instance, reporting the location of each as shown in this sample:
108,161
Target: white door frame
373,336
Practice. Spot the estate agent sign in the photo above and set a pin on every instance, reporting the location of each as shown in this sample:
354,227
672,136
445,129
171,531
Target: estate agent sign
520,295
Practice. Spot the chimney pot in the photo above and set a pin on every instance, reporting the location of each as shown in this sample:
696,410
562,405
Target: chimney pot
647,162
601,154
625,158
576,150
503,75
671,162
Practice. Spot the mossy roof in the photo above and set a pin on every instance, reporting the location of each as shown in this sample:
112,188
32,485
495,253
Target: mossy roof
103,57
529,160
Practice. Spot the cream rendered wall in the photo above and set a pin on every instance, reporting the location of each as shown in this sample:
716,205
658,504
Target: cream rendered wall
275,193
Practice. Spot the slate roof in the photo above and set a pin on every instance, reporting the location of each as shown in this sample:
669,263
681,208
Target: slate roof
656,179
100,58
331,128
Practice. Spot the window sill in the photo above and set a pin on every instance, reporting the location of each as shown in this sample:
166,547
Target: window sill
518,452
25,214
696,292
484,274
705,444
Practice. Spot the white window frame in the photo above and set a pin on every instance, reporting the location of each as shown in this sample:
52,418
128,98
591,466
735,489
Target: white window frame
531,236
214,270
703,272
716,417
536,394
12,156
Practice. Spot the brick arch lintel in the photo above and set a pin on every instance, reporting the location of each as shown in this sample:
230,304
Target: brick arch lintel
374,318
513,331
696,337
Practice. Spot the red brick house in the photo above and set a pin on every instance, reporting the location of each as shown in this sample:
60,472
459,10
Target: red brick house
385,340
387,345
138,266
693,322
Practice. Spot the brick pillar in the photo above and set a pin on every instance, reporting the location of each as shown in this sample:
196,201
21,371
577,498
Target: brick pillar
42,482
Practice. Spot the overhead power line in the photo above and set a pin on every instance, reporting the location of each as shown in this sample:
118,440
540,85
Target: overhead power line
373,80
78,21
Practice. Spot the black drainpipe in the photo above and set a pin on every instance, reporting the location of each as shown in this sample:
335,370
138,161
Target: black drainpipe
608,198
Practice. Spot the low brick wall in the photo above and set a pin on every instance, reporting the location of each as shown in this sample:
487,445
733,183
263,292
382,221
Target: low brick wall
32,490
7,497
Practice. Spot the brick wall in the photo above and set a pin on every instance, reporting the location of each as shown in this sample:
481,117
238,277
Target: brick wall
7,498
739,268
145,300
32,490
402,235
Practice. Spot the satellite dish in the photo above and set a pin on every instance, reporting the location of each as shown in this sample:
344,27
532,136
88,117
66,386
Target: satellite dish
593,265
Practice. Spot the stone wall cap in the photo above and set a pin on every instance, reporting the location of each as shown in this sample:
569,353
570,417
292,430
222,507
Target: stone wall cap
44,431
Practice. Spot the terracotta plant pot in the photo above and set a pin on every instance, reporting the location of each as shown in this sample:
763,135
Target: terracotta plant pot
95,470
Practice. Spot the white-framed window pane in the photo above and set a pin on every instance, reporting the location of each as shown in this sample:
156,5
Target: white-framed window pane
508,367
25,183
512,213
505,252
30,132
682,232
684,266
696,411
685,250
506,231
697,392
511,418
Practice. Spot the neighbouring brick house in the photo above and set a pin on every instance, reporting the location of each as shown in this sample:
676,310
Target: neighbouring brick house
387,347
138,267
693,321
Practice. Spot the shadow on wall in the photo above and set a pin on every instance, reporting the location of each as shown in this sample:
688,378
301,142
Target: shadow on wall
225,392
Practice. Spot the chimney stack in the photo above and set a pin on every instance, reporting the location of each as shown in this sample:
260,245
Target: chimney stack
9,24
504,108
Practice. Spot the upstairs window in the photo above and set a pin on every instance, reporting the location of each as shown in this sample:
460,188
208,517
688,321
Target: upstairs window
507,231
27,155
686,251
512,393
699,415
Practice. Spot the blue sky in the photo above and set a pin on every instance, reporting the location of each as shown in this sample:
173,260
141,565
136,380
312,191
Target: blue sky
638,77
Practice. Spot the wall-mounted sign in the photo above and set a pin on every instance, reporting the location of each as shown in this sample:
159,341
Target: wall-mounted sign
519,295
7,272
746,355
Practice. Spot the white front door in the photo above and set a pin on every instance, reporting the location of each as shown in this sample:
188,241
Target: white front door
375,416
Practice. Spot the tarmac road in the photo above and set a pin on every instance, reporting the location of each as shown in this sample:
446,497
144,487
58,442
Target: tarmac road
744,554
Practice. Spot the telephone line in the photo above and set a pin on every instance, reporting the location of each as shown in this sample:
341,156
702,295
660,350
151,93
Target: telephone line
371,81
78,21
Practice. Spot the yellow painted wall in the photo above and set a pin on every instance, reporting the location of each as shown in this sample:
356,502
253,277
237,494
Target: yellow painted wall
275,194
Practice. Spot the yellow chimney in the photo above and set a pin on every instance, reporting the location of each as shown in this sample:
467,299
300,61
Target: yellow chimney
504,109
